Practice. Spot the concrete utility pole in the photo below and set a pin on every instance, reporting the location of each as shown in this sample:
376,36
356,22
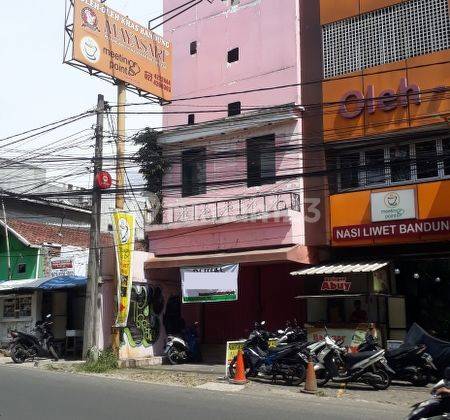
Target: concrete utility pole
120,184
91,309
120,165
8,254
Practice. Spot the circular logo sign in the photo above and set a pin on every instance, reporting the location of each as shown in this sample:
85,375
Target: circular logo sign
89,18
90,49
392,199
103,180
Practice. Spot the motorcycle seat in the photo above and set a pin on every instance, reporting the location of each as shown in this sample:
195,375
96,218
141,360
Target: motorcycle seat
353,358
401,350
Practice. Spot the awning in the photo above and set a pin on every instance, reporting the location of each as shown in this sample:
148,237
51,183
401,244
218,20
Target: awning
49,283
368,267
298,253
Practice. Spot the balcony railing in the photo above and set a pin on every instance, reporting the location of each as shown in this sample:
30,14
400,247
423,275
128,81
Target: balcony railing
233,209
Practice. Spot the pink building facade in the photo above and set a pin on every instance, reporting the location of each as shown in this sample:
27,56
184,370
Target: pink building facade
246,182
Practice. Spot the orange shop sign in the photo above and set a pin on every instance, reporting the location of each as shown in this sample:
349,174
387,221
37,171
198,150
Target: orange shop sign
111,43
414,229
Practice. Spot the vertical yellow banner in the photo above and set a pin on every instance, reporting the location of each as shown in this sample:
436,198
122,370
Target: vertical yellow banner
124,224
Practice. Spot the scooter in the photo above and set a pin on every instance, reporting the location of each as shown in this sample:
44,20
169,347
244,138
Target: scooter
286,361
184,348
410,363
26,346
438,406
336,364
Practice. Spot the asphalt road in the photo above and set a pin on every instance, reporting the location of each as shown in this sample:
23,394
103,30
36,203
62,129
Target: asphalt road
27,393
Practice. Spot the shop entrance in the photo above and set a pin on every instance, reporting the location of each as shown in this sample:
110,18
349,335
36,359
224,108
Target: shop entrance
426,286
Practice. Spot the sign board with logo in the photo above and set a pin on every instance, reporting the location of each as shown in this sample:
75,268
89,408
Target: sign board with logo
124,225
210,284
112,45
69,265
393,205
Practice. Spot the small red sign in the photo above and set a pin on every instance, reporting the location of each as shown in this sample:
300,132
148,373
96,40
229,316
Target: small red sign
103,180
336,284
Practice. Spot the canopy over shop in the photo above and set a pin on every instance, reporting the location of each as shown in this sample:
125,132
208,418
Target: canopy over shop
347,297
23,302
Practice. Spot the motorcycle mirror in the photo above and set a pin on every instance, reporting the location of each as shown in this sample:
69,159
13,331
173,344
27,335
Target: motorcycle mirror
48,316
263,323
280,331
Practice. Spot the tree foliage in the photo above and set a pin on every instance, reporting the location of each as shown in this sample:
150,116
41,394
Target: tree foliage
153,164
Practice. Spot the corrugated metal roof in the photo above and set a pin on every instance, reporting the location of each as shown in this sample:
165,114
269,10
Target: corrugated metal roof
362,267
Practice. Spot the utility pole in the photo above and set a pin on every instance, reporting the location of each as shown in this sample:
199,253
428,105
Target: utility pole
91,309
8,254
120,183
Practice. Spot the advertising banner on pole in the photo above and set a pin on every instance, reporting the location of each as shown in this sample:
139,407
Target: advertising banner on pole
123,224
111,43
210,284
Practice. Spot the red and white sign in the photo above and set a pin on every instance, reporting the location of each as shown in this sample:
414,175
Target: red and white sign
103,180
394,229
336,284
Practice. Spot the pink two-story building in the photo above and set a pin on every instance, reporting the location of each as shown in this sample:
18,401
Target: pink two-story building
246,184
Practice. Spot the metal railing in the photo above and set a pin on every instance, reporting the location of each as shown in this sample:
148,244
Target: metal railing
232,209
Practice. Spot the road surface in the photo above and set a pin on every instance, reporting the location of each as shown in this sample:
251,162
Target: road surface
35,394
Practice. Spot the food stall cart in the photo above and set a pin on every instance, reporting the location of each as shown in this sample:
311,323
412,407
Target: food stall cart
348,297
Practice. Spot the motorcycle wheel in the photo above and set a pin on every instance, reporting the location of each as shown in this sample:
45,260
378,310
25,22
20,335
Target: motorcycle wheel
52,351
322,377
18,354
385,382
232,369
175,357
422,380
297,376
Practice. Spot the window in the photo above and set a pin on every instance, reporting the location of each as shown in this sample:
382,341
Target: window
397,32
193,48
191,119
233,55
261,160
110,227
193,172
349,165
234,109
426,160
21,268
17,307
400,163
446,156
374,164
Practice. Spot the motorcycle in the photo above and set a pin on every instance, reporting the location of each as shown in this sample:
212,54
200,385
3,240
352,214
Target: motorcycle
438,406
411,363
336,364
286,361
26,346
184,348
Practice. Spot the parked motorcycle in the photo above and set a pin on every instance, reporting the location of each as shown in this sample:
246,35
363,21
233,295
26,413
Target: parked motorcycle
438,406
184,348
26,346
334,363
286,361
410,363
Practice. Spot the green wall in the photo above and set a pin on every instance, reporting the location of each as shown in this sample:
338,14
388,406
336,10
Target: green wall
20,254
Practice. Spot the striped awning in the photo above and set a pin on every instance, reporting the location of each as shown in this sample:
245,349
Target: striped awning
341,268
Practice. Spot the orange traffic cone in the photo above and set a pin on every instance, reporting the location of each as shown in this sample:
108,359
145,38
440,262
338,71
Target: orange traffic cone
239,375
311,382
